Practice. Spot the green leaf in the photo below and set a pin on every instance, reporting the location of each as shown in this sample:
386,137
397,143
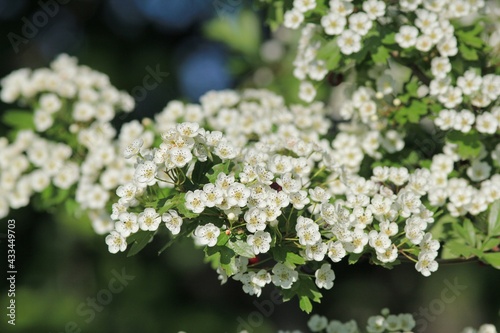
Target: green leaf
279,253
330,52
490,244
166,204
222,239
199,174
469,144
494,219
461,249
389,39
412,113
140,240
471,37
492,258
242,35
275,16
218,168
305,304
241,248
181,207
353,258
468,53
294,259
19,119
226,254
381,56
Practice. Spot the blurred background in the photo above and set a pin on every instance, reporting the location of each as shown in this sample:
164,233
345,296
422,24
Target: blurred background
197,46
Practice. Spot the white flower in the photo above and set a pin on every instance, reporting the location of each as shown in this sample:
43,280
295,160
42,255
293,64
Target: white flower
307,92
83,111
333,23
478,171
255,219
341,7
440,67
336,251
188,129
116,242
316,251
451,98
207,234
470,82
127,224
448,47
426,263
379,241
237,195
308,234
358,242
487,123
398,176
349,42
374,8
360,23
317,323
407,36
173,221
293,19
127,191
446,119
225,150
50,103
43,120
149,219
304,5
195,201
146,173
283,276
133,149
180,156
260,242
214,195
463,121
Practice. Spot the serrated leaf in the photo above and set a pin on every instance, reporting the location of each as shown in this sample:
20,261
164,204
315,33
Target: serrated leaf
492,258
490,244
18,119
461,249
141,239
222,239
467,53
469,144
294,259
216,170
381,56
354,257
330,53
166,204
226,254
305,304
494,219
389,39
241,248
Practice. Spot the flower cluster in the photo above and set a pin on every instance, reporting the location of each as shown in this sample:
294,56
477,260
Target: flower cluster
383,323
285,198
66,149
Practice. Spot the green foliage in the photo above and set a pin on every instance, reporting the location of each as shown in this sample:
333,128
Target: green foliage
469,144
139,241
18,119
